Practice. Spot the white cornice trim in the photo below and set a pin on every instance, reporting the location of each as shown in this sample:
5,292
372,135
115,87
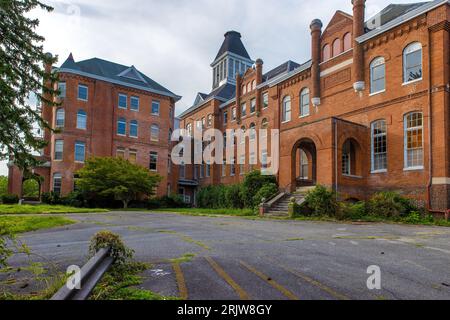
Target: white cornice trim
336,67
441,181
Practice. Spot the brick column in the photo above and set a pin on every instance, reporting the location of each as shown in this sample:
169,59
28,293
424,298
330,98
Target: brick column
259,75
358,51
316,34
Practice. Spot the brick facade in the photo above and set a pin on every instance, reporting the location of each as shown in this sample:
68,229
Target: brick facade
343,116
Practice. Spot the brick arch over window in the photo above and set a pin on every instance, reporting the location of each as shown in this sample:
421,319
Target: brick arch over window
351,163
326,52
337,47
308,147
347,41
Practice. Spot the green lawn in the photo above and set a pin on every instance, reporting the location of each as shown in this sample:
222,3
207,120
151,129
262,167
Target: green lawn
32,223
196,211
43,209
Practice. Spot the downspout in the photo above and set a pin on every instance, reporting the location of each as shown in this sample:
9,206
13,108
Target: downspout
335,156
430,130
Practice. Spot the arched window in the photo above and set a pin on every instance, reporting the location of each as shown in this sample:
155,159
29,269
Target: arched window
254,85
249,87
287,109
154,135
304,102
188,129
304,165
377,75
134,129
412,62
60,118
414,140
348,156
242,134
347,41
244,89
210,120
264,123
122,127
81,120
379,146
252,129
326,52
337,47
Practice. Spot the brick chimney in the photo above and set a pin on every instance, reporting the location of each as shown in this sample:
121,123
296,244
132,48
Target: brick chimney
316,34
358,51
47,110
259,80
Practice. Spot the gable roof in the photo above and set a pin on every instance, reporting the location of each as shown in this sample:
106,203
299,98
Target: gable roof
233,44
115,73
338,18
394,15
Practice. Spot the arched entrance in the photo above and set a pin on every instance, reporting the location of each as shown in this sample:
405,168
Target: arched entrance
304,164
32,187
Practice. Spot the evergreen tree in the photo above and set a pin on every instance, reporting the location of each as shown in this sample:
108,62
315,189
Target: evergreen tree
22,73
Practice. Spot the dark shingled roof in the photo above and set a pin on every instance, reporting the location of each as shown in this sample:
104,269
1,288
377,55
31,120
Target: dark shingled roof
283,68
392,12
233,43
115,72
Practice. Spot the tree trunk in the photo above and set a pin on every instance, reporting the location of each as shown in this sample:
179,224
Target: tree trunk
125,204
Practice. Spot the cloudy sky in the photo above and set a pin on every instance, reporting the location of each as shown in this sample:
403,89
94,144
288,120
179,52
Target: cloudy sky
175,41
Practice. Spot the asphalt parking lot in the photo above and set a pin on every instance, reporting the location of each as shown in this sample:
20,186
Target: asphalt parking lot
236,258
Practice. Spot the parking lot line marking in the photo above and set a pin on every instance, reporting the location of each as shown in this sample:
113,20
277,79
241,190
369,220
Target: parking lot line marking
316,283
270,281
243,295
180,281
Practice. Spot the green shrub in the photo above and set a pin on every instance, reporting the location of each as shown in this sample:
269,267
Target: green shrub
51,198
74,199
265,192
389,205
10,199
172,201
105,239
252,184
233,197
322,202
3,185
354,211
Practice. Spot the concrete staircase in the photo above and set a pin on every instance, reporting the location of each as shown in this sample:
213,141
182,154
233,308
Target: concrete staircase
280,208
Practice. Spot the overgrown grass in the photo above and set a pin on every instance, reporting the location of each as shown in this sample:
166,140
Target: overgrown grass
121,282
197,211
43,209
19,224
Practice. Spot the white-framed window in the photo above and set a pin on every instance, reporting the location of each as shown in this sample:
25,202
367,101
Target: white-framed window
202,170
132,156
254,85
62,89
347,158
304,165
224,169
198,124
225,117
57,183
252,132
83,92
134,128
209,120
154,134
377,75
60,118
80,151
203,122
243,134
243,110
81,120
264,159
242,165
304,102
233,167
120,153
253,106
233,114
252,160
153,166
414,140
123,101
195,172
412,62
265,100
208,170
155,108
379,146
182,170
189,131
59,150
286,109
122,127
134,103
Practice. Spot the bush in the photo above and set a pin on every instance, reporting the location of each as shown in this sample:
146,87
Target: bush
354,211
10,199
265,192
389,205
322,202
233,197
252,184
105,239
74,199
51,198
172,201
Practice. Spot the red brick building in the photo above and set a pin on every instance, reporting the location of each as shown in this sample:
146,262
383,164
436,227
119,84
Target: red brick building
106,110
370,110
